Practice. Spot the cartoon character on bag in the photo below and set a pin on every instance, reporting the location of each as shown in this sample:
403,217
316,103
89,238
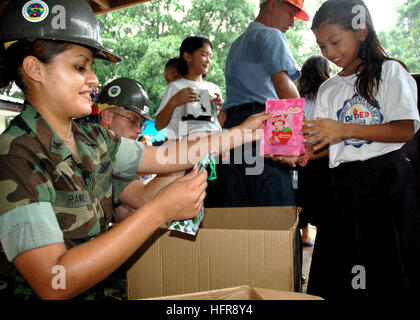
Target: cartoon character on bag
281,133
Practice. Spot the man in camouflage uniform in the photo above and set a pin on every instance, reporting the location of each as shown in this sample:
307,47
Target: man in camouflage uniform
123,106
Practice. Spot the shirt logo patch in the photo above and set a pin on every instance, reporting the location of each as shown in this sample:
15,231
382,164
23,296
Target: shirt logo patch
35,11
104,167
56,146
358,110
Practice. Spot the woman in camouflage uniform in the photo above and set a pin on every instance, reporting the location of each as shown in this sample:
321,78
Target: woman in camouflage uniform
55,178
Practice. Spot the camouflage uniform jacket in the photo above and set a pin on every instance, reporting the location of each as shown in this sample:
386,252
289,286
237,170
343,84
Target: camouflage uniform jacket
37,167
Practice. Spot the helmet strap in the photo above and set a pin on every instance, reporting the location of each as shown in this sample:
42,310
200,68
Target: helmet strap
8,44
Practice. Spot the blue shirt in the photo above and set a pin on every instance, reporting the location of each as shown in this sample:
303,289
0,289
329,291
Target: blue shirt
258,54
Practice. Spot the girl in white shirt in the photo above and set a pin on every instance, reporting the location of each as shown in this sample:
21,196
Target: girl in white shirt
199,101
364,114
190,106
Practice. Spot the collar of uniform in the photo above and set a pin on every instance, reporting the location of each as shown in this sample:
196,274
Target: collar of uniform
79,135
43,131
84,142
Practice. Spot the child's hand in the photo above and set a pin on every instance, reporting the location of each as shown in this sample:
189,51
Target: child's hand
290,160
319,133
218,100
184,96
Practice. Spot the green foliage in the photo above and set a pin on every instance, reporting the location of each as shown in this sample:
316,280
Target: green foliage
402,42
150,68
146,36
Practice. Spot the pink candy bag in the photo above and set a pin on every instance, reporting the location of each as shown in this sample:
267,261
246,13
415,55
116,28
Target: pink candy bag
282,131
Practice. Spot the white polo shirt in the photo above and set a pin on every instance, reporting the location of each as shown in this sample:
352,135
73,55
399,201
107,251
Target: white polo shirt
397,100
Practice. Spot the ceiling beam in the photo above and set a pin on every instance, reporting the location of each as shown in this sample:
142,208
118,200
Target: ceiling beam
104,4
115,5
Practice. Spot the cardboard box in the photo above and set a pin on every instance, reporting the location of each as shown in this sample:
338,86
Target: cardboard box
241,293
258,247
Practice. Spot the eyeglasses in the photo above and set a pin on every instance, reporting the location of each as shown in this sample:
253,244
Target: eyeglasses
134,122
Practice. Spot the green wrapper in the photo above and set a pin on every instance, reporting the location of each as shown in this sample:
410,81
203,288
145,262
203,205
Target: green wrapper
191,226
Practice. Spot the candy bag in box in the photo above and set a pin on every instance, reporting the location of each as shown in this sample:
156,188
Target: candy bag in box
282,131
191,226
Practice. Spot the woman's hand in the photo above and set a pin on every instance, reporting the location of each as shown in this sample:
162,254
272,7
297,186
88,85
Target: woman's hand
252,124
319,133
183,198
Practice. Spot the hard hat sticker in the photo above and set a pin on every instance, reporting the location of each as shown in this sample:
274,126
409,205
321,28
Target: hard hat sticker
114,91
35,11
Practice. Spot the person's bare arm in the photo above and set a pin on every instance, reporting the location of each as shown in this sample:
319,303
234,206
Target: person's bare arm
221,117
91,262
326,131
180,155
136,193
284,86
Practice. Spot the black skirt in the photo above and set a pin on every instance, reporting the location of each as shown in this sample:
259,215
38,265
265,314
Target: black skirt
368,243
313,179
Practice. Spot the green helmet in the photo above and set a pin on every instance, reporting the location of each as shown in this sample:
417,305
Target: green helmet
126,93
71,21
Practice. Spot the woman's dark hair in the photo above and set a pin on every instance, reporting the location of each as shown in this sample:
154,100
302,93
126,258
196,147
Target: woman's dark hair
314,71
190,45
11,59
347,15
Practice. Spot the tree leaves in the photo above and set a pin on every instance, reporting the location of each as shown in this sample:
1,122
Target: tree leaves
146,36
402,41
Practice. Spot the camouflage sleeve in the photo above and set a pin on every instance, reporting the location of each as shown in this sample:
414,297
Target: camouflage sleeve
26,199
29,227
113,141
23,182
129,157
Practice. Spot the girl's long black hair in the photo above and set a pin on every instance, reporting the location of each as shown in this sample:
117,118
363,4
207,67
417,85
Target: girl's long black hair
371,52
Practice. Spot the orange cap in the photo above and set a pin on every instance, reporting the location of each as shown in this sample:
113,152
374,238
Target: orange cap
301,15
